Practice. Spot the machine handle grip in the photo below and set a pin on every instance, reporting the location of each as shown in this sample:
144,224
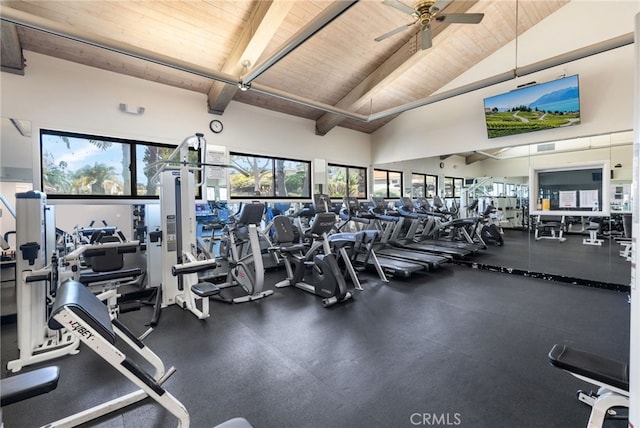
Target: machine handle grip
192,267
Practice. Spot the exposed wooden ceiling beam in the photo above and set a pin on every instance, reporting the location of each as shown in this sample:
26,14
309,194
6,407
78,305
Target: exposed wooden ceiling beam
398,63
262,25
11,59
475,157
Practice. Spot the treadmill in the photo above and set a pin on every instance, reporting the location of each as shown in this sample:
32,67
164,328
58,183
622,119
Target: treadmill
393,266
393,238
391,249
423,212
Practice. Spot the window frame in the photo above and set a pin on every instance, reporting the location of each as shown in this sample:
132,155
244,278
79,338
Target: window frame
274,159
457,183
133,168
387,171
348,174
425,187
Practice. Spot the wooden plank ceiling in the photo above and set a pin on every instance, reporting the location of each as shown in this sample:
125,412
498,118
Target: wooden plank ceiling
340,65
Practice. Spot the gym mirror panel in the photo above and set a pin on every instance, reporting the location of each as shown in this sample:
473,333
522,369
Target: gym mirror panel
591,247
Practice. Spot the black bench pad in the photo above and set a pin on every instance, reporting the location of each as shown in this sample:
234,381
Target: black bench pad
205,289
601,369
91,277
26,385
75,296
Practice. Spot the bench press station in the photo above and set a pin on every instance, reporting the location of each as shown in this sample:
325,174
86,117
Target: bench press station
80,312
550,227
611,377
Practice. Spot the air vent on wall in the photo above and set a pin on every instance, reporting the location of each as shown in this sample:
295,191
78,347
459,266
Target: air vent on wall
547,147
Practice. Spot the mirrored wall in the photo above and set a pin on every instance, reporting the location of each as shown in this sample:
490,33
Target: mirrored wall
593,244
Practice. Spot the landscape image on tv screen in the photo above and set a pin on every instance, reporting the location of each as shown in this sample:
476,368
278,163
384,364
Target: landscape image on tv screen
533,108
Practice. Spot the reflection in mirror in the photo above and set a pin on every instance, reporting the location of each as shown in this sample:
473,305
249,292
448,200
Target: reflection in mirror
15,170
16,176
593,245
16,150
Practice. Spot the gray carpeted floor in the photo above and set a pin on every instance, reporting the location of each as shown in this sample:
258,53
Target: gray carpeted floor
464,343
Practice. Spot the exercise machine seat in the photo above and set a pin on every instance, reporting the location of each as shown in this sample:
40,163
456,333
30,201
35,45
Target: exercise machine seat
550,221
107,263
205,289
284,232
26,385
601,369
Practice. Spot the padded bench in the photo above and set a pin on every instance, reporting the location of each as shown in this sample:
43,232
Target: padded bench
553,226
611,376
26,385
81,312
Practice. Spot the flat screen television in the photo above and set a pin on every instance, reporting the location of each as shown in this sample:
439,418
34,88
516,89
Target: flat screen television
532,108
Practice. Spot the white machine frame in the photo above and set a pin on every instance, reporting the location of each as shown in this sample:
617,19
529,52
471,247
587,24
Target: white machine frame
603,402
36,342
67,316
178,224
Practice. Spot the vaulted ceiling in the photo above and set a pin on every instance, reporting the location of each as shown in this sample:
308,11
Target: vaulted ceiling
313,59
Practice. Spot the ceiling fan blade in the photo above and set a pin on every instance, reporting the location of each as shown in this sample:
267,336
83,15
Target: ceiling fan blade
425,36
460,18
392,32
400,6
439,5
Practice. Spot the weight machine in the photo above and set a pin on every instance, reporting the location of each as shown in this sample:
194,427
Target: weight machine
36,242
180,265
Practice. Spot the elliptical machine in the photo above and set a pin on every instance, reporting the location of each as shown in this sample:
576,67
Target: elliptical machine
307,268
240,252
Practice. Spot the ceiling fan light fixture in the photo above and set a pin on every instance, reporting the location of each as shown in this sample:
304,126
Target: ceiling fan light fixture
425,12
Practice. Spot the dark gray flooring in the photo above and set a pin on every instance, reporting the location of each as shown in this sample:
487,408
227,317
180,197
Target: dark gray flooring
570,258
464,342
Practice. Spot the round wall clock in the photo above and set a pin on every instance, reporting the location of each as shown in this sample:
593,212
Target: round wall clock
215,126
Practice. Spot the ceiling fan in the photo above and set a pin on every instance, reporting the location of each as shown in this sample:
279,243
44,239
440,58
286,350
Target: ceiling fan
425,12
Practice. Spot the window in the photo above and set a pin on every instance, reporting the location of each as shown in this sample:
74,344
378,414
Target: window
432,185
453,187
343,180
576,189
424,185
146,155
387,184
458,184
448,187
87,166
252,176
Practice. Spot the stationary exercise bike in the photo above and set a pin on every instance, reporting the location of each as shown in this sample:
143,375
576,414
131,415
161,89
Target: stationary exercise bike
240,252
307,267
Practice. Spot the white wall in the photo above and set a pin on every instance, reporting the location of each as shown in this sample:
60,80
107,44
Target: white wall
457,124
520,166
62,95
